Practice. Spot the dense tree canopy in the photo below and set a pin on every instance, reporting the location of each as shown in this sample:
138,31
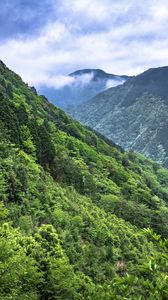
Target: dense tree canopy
79,218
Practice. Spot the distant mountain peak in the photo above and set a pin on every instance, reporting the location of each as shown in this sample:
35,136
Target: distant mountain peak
82,89
98,74
88,71
84,71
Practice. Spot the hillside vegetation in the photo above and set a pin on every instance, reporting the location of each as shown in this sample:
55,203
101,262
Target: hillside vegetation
79,218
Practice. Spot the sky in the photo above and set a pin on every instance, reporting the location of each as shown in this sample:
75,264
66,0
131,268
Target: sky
45,40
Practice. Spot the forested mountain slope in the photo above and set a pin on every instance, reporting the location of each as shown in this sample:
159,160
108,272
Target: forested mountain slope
134,115
79,218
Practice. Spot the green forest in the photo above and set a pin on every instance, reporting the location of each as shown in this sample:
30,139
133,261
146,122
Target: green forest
79,217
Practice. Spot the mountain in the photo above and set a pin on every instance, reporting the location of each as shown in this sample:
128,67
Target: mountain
134,115
84,84
79,218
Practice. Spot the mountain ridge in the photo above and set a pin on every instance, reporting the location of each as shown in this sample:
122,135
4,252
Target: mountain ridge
134,114
98,73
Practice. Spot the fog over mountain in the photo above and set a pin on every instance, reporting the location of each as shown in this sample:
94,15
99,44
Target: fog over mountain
68,91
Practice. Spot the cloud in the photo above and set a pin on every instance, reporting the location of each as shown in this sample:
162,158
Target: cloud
56,82
19,17
111,83
60,81
121,37
86,8
83,79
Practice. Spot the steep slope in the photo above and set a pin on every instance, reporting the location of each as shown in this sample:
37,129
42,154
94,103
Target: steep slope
80,219
134,115
84,85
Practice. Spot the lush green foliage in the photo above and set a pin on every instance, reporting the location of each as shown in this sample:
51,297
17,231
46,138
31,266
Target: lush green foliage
79,218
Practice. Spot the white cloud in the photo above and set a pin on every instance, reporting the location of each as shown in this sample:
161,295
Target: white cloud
159,12
92,9
121,37
60,81
95,11
83,79
57,82
111,83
